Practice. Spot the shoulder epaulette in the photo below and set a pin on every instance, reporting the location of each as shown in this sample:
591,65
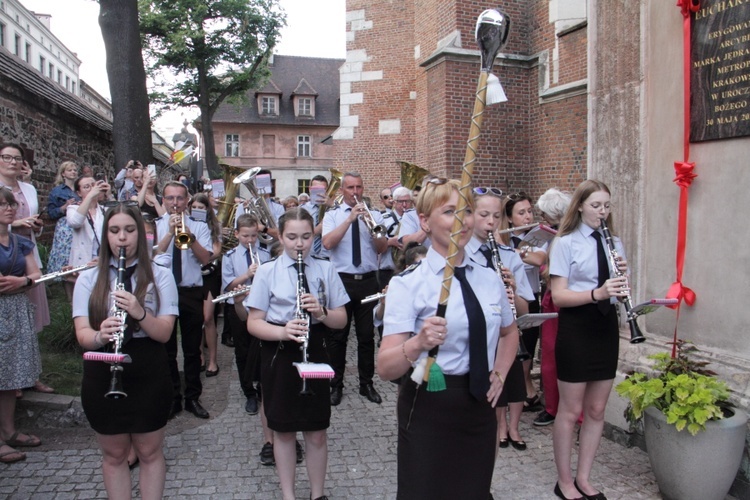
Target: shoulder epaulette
505,247
410,269
230,252
269,261
321,257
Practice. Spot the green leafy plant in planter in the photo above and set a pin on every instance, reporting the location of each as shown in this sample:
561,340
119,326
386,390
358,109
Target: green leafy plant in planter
686,392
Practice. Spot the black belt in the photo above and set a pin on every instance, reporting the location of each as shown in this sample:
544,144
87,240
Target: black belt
358,277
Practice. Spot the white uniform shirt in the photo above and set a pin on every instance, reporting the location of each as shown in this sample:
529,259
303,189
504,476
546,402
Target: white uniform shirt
413,297
341,254
510,259
532,271
191,267
275,287
573,256
163,281
234,263
314,210
391,222
410,225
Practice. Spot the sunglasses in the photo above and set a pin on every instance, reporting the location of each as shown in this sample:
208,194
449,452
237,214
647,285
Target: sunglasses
436,181
482,191
518,196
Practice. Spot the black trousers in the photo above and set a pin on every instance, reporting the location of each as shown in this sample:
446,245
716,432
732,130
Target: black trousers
191,331
364,328
246,352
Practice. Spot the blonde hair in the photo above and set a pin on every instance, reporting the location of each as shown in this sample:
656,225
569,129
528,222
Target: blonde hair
63,166
435,194
572,217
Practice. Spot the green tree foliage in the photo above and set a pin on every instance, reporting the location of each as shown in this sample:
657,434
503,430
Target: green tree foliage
200,53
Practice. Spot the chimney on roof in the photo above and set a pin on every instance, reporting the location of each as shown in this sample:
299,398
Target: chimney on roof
44,19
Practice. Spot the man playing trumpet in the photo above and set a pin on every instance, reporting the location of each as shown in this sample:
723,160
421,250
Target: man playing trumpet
186,268
354,250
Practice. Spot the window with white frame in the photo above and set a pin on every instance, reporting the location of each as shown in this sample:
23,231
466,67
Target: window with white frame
42,64
17,49
268,105
232,145
305,106
2,35
28,53
304,146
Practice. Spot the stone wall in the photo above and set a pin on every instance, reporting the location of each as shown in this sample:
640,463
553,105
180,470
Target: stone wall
52,135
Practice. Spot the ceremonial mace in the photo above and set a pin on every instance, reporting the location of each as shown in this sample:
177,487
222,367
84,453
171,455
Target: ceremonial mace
491,34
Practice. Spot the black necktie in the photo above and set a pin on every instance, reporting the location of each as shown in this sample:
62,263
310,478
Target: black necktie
516,241
248,258
177,264
479,380
129,321
356,251
603,275
487,255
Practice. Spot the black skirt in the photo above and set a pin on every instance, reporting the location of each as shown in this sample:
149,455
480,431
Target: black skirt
212,282
446,442
285,408
147,383
514,388
587,344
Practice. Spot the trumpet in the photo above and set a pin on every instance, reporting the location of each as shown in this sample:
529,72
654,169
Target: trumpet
372,298
300,313
522,354
229,295
376,230
60,274
636,336
182,238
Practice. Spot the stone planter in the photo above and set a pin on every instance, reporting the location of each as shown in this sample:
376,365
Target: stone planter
695,467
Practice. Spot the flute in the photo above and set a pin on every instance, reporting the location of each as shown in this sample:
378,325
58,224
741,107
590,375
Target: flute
372,298
225,296
519,228
60,274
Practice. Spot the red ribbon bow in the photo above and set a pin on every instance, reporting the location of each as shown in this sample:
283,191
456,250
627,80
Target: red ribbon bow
688,6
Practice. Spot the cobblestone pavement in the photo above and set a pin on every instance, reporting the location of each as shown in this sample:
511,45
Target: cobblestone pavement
218,458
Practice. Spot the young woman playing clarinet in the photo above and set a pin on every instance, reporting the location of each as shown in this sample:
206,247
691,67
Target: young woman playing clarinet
587,338
273,302
151,307
446,439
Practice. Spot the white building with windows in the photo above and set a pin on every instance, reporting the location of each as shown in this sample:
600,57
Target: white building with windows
27,36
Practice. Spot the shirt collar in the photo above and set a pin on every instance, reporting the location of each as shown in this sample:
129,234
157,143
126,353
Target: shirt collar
437,261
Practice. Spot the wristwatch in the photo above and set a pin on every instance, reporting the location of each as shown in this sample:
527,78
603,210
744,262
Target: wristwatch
325,314
29,281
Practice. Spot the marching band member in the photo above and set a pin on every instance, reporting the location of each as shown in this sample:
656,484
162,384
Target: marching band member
587,339
488,212
186,268
151,306
271,318
437,427
313,207
519,212
354,253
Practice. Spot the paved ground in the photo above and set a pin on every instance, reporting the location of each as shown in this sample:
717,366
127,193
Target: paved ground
218,458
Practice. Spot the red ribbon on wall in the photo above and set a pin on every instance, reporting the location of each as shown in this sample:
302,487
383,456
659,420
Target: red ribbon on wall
683,171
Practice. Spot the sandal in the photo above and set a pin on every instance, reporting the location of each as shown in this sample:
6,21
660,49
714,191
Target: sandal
532,404
40,386
31,441
12,456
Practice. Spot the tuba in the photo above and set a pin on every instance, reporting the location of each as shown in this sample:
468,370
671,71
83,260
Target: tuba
227,206
333,186
411,174
257,202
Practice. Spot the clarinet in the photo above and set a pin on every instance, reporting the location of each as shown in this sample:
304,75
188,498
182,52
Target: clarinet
115,384
300,313
636,336
522,354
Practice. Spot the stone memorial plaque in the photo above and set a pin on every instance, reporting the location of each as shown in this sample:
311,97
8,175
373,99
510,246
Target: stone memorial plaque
720,70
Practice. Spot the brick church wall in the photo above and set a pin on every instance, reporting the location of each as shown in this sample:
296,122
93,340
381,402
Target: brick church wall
529,143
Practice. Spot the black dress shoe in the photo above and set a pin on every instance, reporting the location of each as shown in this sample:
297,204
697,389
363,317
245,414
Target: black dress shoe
194,407
503,442
213,373
370,393
559,493
176,408
520,445
229,341
251,405
598,496
336,394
